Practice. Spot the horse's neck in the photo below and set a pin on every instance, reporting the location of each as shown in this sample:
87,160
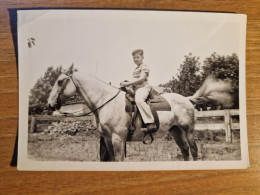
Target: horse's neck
94,91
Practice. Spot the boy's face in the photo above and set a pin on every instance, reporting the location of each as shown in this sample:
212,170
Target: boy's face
138,59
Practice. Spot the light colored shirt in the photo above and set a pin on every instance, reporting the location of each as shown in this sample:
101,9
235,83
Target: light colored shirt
143,68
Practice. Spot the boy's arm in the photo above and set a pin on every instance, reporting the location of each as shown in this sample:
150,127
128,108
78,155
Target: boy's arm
143,76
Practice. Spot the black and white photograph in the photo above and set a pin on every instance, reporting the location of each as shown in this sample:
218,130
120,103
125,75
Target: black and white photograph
131,90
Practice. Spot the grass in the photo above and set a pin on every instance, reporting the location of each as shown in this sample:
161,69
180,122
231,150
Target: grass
84,146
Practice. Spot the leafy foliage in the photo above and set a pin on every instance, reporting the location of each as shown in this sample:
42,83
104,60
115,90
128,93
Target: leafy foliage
188,80
191,76
40,92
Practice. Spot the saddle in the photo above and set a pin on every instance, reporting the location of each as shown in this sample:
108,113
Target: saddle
137,130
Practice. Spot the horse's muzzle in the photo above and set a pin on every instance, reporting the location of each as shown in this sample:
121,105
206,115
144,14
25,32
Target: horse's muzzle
52,108
58,104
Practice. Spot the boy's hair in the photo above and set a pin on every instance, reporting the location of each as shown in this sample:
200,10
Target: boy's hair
138,51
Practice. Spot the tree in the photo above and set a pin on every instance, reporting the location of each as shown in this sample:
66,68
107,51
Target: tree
191,76
188,79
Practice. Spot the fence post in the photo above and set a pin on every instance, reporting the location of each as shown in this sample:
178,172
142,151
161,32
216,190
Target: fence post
228,127
32,125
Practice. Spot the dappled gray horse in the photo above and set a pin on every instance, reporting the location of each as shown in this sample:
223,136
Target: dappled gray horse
113,122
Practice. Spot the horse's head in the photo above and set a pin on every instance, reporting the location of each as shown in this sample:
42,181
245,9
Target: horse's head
63,89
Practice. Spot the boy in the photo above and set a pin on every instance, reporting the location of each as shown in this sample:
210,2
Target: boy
142,88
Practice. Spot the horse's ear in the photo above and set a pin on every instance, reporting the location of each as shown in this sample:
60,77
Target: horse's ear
70,69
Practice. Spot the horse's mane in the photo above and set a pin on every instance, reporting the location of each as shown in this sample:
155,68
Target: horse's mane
96,78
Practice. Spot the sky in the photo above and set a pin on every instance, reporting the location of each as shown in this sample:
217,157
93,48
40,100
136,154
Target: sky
100,42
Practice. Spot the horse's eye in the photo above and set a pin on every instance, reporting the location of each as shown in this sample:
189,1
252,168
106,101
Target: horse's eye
60,82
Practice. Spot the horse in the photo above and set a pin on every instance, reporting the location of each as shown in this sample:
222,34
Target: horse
107,103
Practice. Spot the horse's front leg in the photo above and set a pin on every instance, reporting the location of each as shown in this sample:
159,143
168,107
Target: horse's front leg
119,147
110,149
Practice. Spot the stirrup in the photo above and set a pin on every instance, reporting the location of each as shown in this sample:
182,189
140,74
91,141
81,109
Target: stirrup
151,136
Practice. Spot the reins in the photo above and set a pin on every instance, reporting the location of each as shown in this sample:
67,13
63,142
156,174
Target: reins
91,111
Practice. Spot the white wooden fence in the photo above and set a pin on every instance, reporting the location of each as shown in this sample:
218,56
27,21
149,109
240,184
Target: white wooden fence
228,125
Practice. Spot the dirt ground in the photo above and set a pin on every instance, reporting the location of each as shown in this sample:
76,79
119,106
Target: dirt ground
83,145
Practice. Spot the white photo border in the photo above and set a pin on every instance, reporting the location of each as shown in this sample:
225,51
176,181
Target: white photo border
27,164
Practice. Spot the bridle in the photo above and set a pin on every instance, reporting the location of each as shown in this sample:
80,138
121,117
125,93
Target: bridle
65,83
63,87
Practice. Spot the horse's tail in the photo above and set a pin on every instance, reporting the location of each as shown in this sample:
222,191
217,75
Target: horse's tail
213,90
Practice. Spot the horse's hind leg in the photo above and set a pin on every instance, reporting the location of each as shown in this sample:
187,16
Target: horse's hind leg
189,132
178,135
192,143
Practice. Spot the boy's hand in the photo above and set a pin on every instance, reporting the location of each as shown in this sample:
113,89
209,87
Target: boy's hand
124,84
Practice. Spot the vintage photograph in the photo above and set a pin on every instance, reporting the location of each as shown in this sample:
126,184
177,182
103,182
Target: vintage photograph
131,90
